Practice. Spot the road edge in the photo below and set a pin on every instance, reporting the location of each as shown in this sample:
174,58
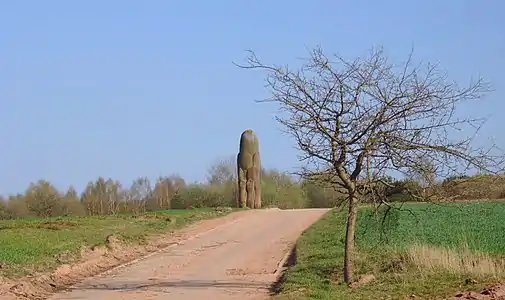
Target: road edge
108,260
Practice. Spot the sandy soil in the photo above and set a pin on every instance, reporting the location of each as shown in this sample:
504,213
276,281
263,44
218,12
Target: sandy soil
493,293
237,259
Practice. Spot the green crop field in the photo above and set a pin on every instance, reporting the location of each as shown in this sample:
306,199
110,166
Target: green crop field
424,250
30,245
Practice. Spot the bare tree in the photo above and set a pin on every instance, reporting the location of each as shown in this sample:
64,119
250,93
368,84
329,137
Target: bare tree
113,192
163,192
89,199
71,204
43,199
141,192
223,171
100,192
356,121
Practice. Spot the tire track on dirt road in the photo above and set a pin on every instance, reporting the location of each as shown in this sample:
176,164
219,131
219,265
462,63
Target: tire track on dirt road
235,261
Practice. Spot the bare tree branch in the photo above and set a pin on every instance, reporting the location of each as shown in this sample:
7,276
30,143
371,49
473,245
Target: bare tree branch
357,121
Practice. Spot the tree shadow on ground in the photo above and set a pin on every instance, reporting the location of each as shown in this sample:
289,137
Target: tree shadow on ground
275,288
194,284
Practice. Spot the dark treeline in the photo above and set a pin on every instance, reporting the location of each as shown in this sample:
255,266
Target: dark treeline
105,196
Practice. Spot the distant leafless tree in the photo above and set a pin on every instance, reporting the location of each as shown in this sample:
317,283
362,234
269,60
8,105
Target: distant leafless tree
141,192
43,199
113,191
100,192
223,171
89,199
71,204
355,121
163,192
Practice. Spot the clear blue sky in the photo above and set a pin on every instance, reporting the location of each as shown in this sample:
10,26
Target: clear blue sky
129,88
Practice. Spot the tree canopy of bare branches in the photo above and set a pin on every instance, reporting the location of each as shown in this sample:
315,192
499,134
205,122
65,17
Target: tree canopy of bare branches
357,121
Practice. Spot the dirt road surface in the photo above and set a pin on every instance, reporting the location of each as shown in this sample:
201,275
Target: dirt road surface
236,259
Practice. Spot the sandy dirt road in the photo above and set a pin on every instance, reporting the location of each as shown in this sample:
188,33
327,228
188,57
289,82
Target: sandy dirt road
237,259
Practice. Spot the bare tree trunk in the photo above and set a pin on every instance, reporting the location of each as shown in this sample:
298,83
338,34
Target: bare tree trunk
168,199
352,217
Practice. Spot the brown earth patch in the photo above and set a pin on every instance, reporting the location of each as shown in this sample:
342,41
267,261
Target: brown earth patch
496,292
56,225
51,225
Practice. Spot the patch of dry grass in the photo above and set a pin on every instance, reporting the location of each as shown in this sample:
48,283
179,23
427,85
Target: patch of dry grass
460,261
475,187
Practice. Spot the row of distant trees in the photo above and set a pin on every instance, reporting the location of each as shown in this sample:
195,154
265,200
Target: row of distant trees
105,196
280,189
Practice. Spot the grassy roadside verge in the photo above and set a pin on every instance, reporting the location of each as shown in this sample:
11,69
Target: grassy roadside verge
38,245
427,250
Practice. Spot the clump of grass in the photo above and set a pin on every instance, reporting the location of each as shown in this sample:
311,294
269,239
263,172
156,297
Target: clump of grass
464,261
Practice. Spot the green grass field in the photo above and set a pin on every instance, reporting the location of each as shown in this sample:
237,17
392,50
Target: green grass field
31,245
425,250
